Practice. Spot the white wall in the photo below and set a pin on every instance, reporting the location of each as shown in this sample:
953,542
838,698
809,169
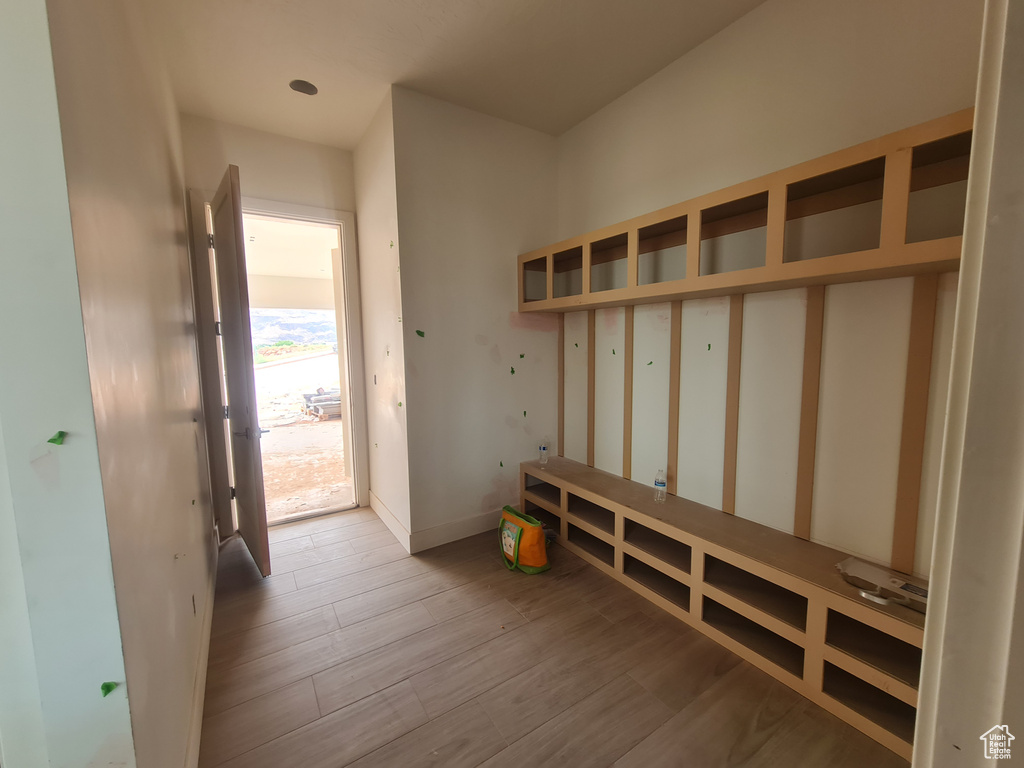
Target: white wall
790,81
473,191
383,346
864,347
574,411
771,384
276,292
123,158
703,369
651,355
609,387
22,730
270,167
60,620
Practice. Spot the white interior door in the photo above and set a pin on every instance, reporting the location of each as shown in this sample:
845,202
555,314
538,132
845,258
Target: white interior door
244,428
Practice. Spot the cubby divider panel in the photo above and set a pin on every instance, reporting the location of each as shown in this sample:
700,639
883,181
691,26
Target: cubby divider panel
753,590
938,188
764,642
876,705
662,250
734,235
568,272
872,646
836,212
589,543
663,547
549,519
592,513
550,493
535,279
674,591
608,263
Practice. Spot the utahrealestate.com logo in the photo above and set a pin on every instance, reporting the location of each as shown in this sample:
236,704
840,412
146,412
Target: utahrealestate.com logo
997,742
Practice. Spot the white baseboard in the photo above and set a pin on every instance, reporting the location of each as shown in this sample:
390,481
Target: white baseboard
455,530
386,517
195,731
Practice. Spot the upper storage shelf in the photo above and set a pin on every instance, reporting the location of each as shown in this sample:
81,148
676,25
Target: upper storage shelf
889,207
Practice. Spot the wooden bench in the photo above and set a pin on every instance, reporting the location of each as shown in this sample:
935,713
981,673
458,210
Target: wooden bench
774,599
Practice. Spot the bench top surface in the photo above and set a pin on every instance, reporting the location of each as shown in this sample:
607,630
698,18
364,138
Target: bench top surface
806,560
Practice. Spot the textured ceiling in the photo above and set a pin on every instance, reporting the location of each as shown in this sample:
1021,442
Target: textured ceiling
543,64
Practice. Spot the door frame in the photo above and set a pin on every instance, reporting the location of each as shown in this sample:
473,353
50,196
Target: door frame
350,337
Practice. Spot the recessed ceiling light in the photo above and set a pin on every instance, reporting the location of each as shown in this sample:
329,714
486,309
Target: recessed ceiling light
303,86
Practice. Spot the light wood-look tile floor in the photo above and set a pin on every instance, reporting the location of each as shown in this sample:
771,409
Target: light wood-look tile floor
356,653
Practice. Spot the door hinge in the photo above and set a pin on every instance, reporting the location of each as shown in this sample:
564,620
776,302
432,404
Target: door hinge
217,329
209,240
232,491
226,412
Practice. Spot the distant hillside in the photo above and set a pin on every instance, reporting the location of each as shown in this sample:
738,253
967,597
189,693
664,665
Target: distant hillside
303,326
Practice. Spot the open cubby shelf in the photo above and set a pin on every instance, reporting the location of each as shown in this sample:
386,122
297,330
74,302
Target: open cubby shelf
888,654
836,212
656,581
938,189
815,223
549,519
662,251
761,641
608,263
733,565
762,594
733,235
665,548
895,716
592,545
589,512
546,491
568,272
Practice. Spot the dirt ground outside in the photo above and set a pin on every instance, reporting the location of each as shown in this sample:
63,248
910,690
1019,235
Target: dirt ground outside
304,464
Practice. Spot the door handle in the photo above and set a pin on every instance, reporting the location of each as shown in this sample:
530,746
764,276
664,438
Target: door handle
248,434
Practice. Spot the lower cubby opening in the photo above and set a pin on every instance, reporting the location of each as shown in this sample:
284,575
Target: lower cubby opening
872,646
656,581
550,493
590,544
663,547
876,705
764,642
592,513
549,519
757,592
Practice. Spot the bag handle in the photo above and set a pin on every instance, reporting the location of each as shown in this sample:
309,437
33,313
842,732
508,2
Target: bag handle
515,562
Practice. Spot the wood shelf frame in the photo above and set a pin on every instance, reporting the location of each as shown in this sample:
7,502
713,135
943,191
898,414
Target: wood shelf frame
774,599
921,157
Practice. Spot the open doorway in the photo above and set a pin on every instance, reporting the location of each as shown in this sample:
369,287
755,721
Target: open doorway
293,274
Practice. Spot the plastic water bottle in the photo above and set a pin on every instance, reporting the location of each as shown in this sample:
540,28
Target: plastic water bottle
659,487
543,454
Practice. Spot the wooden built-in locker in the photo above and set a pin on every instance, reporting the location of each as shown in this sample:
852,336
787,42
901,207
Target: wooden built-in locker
892,207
